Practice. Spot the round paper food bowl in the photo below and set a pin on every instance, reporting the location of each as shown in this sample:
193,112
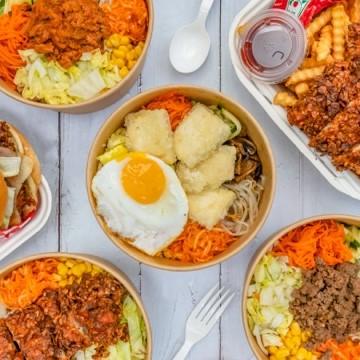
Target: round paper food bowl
206,96
103,264
104,99
346,219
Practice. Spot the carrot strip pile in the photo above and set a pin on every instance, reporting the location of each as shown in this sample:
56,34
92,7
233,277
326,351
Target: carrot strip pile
128,17
345,351
175,104
324,239
26,283
13,27
196,244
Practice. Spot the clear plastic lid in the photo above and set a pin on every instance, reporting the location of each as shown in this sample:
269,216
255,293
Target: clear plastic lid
272,46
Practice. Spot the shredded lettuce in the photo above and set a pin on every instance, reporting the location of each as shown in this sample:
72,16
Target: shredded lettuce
268,300
352,239
47,81
133,318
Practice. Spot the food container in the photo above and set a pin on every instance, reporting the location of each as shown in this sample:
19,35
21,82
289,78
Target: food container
103,264
7,246
104,99
272,46
351,220
346,181
209,97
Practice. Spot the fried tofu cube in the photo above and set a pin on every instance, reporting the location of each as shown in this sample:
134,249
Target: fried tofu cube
211,173
150,131
209,207
199,134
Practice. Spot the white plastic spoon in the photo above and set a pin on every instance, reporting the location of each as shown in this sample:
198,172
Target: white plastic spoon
190,45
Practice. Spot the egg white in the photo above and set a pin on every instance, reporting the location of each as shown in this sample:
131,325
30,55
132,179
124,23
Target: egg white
151,227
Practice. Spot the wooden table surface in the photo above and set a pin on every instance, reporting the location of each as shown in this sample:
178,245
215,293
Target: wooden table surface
62,142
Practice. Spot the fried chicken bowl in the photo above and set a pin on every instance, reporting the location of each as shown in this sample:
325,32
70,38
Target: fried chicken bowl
180,177
70,307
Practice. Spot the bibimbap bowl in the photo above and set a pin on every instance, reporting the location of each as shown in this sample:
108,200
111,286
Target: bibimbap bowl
299,298
72,305
92,62
207,185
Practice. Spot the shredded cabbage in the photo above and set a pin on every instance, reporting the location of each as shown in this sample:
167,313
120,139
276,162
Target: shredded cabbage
47,81
352,240
136,335
86,354
268,300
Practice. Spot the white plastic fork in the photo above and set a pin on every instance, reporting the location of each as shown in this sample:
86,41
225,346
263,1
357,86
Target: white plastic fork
204,316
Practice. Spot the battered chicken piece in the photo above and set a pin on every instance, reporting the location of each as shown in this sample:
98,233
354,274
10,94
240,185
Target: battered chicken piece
353,44
328,95
7,346
349,160
68,335
341,134
33,332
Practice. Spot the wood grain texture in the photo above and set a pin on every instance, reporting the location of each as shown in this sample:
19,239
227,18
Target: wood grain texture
62,142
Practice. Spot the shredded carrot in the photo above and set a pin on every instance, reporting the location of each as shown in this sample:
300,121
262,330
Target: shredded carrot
25,284
13,27
175,104
128,17
345,351
324,239
196,244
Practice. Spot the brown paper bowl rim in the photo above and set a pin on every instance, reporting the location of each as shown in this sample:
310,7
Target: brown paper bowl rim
101,263
155,261
98,99
263,249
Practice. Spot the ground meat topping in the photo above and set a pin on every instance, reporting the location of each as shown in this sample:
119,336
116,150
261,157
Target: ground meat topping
66,320
327,302
65,29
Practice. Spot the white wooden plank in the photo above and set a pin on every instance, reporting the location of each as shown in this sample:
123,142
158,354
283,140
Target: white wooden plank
288,202
41,128
79,231
321,198
170,297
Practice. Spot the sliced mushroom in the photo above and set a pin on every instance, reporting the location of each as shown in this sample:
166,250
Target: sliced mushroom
247,168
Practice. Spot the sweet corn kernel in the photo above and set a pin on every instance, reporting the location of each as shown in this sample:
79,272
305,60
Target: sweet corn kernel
283,352
115,40
62,269
124,71
57,277
141,44
124,40
273,357
70,263
119,54
129,47
131,64
124,48
63,283
88,267
78,270
131,55
272,349
119,62
295,328
138,50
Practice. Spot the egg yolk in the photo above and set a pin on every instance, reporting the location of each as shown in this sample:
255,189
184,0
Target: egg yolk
143,180
3,197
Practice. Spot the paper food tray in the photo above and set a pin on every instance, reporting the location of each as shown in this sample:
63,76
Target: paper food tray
7,246
345,181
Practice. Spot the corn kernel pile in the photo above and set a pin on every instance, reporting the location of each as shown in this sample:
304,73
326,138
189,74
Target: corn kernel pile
124,53
293,348
71,270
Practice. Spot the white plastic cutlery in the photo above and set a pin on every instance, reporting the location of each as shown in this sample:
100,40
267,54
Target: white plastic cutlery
190,45
203,318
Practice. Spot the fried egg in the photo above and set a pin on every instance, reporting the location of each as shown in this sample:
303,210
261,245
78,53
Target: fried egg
141,198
